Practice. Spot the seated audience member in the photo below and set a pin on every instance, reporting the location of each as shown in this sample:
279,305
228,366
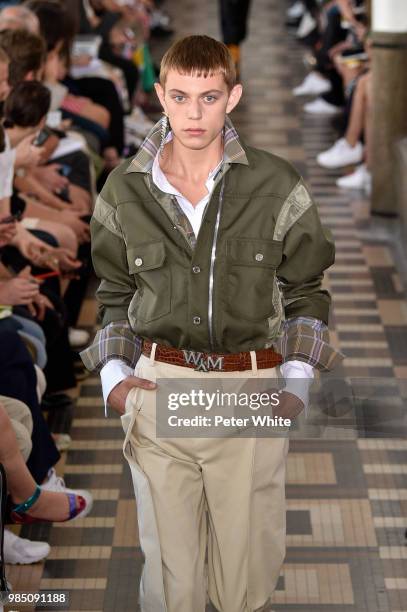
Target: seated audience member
99,17
50,213
26,52
340,30
101,90
26,305
17,48
92,104
31,502
23,292
19,381
349,150
16,549
25,113
116,23
18,17
20,290
342,76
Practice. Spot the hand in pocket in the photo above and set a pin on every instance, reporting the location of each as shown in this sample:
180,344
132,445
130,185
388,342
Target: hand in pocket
117,396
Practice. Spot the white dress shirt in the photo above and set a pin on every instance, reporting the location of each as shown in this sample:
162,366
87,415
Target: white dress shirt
117,370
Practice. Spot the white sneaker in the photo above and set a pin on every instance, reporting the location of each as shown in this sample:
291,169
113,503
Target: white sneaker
313,85
296,10
307,25
22,551
341,154
321,107
138,122
62,441
78,337
359,179
57,483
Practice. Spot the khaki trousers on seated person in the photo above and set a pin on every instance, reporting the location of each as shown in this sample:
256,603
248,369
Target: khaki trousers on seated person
236,485
21,421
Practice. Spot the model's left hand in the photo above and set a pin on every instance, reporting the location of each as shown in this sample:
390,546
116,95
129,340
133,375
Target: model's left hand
290,406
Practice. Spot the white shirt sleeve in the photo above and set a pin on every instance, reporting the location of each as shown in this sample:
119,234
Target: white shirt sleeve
298,376
111,375
7,159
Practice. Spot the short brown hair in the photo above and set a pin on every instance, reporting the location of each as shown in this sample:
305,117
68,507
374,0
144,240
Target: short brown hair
26,52
201,56
26,105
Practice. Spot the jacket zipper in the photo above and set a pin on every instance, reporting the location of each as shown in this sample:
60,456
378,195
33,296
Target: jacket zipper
213,252
212,268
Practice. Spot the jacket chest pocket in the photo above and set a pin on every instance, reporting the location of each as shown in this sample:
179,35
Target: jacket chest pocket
147,262
250,276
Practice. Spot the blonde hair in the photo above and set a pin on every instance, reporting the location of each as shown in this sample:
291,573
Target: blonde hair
201,56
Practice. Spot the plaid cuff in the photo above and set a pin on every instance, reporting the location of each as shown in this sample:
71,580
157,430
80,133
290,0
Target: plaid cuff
115,341
307,339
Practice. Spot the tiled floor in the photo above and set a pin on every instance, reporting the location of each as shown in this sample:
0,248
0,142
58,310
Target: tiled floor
347,498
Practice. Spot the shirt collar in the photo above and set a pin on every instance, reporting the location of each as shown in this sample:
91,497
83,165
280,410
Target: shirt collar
163,183
143,160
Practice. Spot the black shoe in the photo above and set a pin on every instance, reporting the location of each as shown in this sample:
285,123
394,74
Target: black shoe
55,401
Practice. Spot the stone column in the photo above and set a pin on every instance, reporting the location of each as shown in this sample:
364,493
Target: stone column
389,113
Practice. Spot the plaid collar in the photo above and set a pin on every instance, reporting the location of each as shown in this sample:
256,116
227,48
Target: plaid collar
143,160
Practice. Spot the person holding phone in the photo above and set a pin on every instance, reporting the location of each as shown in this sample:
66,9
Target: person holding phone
25,114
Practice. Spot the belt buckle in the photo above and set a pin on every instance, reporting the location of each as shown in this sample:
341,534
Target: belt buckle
202,365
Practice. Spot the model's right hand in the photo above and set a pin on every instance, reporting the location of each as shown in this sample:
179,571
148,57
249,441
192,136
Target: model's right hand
117,396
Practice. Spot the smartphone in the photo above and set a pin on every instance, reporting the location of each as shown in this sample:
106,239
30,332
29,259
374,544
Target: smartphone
65,170
59,133
64,195
11,218
41,138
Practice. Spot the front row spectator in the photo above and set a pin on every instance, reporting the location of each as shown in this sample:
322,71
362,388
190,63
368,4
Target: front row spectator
341,77
16,549
30,502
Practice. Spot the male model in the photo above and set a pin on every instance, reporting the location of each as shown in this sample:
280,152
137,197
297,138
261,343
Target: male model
209,253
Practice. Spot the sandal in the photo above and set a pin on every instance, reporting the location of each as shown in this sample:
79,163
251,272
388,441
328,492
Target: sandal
18,513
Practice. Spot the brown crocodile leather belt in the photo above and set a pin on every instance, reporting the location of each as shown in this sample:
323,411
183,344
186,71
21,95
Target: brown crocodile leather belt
212,362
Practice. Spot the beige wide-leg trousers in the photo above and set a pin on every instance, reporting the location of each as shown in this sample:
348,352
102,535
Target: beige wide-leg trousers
225,495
